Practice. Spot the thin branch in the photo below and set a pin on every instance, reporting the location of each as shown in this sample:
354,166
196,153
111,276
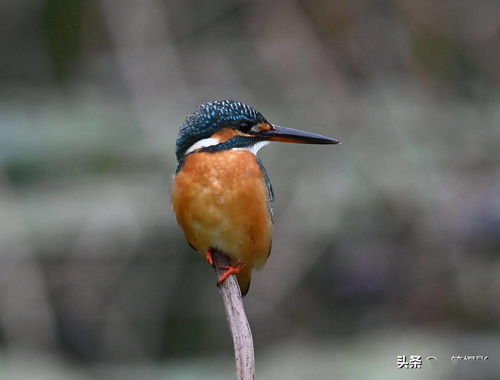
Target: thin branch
237,320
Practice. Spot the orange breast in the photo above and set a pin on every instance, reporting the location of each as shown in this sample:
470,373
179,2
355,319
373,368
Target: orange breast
220,202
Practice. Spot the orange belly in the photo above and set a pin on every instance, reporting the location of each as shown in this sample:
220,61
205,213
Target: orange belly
220,202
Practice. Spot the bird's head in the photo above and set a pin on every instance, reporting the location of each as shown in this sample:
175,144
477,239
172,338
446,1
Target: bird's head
228,124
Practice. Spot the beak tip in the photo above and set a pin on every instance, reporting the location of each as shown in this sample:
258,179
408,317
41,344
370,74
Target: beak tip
334,141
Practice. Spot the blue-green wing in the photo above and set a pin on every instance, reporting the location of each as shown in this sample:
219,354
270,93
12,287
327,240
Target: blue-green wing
269,189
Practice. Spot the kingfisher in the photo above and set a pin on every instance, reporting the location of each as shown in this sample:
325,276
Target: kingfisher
221,193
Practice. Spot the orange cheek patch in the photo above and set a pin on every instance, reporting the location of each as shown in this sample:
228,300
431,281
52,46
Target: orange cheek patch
225,134
264,127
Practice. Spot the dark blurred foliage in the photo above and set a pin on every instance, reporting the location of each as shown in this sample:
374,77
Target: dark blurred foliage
385,245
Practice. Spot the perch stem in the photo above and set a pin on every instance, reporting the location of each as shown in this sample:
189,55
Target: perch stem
237,320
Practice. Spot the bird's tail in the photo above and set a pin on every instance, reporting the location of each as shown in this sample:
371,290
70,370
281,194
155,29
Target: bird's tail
244,278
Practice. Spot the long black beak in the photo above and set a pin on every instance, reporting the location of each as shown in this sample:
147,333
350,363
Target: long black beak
284,134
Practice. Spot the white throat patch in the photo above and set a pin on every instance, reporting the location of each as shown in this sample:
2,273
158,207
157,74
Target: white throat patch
256,147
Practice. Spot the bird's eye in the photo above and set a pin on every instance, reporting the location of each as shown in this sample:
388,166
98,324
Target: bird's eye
244,127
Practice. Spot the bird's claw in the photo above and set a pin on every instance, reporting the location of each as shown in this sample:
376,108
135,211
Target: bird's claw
229,270
210,258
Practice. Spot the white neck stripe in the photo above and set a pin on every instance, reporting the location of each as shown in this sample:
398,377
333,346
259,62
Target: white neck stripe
202,144
212,141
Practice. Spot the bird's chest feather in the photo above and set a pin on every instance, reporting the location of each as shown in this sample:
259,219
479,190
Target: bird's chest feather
220,201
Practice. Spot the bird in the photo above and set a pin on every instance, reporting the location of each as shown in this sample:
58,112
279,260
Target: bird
221,194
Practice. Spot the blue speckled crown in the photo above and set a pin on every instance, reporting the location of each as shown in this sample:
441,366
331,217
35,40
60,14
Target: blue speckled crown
210,117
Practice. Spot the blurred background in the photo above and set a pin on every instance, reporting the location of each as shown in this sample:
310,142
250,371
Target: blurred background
383,246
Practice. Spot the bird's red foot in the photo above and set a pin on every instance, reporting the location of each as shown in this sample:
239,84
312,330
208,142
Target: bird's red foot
229,271
210,258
